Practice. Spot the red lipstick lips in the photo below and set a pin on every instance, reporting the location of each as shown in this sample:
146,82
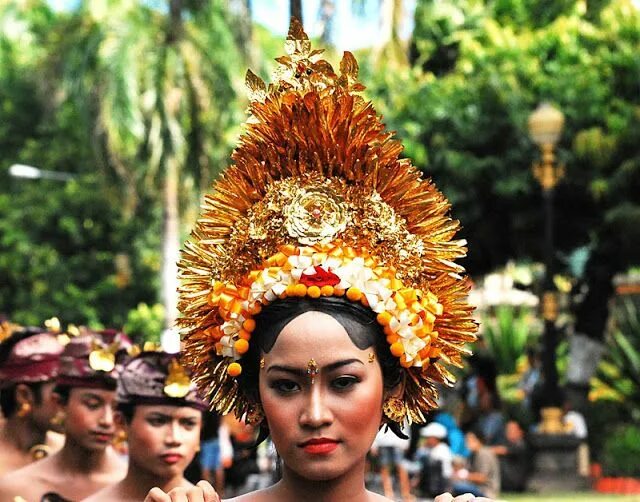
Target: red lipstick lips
103,437
320,446
171,458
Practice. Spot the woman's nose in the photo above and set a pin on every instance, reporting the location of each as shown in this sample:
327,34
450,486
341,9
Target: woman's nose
316,412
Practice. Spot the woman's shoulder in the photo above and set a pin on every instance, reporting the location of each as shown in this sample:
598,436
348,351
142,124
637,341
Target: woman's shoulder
376,497
265,496
256,496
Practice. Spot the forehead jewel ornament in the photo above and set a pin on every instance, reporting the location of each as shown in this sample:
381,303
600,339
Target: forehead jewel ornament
312,370
319,203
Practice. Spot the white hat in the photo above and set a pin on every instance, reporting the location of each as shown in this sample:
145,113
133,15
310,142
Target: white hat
434,430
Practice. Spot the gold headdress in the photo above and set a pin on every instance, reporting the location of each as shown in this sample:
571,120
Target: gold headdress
318,203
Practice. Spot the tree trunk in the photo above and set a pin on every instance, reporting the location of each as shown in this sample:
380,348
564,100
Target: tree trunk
295,9
170,248
327,13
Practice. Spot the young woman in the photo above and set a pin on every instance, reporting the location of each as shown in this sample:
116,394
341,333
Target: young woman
161,413
319,294
85,393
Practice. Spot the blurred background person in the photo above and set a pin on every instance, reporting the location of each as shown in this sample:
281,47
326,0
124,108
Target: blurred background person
29,359
491,419
159,409
216,452
515,459
389,452
483,476
435,459
85,393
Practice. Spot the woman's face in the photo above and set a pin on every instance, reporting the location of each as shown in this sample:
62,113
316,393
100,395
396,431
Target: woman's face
164,439
89,417
325,428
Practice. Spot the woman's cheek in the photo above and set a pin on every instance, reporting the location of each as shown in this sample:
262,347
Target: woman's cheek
364,409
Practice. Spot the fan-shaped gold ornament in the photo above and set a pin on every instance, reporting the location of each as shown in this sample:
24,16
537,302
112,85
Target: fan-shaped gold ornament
318,192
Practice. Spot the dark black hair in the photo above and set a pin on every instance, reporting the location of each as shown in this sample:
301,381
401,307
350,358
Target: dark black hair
127,410
63,391
475,429
358,321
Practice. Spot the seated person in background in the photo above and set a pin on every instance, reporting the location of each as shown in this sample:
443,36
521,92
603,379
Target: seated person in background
455,436
85,392
435,458
575,424
491,420
483,478
159,409
515,459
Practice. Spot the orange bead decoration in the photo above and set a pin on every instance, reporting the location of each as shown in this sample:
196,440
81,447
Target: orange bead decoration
354,294
234,369
397,349
313,291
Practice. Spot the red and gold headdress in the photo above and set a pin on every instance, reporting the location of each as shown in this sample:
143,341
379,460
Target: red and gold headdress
318,203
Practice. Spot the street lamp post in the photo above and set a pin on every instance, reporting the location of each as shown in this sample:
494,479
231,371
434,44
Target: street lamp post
545,127
34,173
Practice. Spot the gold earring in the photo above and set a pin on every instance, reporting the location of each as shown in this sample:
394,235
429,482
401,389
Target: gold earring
58,418
394,409
255,415
24,410
372,357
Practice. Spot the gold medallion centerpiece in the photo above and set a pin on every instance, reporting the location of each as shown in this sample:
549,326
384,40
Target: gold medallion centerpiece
319,203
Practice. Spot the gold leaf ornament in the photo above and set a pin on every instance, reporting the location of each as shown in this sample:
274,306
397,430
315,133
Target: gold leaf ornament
103,358
177,383
316,215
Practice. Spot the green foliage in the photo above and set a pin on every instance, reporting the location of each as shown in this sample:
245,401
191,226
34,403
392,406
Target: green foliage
619,370
145,323
479,69
507,332
91,92
622,452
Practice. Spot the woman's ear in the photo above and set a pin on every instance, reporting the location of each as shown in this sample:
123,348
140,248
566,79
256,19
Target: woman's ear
396,391
24,395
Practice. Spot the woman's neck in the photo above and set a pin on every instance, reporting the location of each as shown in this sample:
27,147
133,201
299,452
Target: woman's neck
349,486
139,481
74,457
20,433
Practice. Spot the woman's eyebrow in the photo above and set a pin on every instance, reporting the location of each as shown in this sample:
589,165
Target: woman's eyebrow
303,372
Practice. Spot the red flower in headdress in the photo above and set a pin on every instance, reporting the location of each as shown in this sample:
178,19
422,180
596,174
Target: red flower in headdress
320,278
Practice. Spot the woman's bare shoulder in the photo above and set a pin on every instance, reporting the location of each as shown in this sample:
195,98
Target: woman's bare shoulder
376,497
256,496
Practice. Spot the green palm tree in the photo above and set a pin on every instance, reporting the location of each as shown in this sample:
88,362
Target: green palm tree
158,85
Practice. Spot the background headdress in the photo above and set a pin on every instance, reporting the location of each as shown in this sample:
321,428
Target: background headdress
93,359
318,202
157,378
28,354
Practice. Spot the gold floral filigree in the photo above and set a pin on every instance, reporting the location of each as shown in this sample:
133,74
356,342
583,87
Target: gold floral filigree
315,215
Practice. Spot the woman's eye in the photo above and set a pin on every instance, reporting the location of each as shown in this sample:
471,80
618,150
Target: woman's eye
344,382
156,422
92,405
285,386
189,424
